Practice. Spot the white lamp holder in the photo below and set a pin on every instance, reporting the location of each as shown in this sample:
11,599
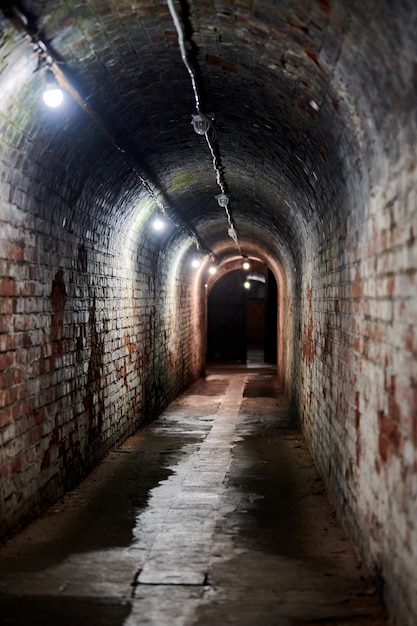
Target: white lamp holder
201,123
222,199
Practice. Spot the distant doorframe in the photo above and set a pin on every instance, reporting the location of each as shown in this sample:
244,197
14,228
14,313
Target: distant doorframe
242,320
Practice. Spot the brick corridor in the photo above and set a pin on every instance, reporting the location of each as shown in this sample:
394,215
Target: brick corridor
213,514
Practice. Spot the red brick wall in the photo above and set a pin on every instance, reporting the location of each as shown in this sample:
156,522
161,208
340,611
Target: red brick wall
93,342
358,380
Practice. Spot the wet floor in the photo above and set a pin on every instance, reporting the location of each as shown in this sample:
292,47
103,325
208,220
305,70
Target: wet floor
213,514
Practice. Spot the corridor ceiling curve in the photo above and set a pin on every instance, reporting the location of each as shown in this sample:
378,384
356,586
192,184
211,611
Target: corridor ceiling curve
303,97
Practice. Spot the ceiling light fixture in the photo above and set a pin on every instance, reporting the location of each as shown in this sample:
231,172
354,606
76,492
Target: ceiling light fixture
195,263
222,199
53,95
257,277
212,270
201,123
158,224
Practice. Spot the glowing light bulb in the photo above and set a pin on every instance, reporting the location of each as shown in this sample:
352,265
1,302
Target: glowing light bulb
212,270
195,263
52,96
158,224
246,265
246,284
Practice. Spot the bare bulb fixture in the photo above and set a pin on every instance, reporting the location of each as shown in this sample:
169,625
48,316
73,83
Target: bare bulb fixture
246,284
195,263
246,265
52,96
212,270
158,224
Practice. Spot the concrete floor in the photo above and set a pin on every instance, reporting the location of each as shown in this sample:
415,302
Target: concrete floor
213,514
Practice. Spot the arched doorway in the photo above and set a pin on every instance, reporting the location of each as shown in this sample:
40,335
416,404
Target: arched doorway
242,317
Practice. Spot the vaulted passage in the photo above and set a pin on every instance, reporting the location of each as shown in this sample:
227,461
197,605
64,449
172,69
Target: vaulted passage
277,134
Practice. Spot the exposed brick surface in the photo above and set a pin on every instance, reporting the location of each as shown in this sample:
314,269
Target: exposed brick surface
102,347
358,381
102,322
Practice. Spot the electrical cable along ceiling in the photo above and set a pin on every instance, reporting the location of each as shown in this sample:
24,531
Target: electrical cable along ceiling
202,125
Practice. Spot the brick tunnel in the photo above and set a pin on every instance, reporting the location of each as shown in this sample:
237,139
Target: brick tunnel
278,133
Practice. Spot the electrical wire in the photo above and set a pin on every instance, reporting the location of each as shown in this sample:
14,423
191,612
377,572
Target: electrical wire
215,160
184,56
215,165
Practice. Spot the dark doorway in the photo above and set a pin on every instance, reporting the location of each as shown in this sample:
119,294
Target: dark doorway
226,323
242,317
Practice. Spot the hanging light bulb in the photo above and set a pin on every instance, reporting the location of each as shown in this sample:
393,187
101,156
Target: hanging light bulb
246,284
212,270
158,224
195,263
246,265
52,96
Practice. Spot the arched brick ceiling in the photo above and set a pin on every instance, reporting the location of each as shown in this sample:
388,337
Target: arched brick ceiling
306,97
